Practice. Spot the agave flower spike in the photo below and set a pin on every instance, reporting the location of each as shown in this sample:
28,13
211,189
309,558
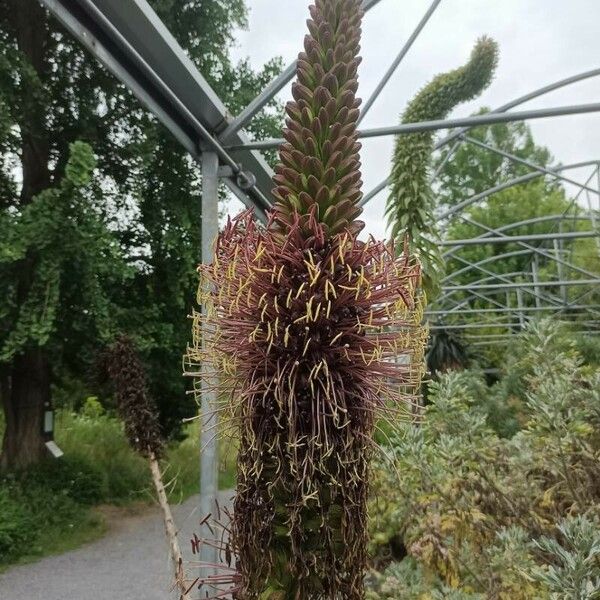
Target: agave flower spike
316,335
410,206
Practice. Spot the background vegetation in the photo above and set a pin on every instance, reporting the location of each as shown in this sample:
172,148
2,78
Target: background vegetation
53,507
496,494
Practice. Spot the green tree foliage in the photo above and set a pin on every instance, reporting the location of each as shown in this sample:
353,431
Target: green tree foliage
470,169
498,517
80,262
410,206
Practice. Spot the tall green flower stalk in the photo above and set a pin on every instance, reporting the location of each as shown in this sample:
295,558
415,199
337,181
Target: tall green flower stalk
410,205
316,335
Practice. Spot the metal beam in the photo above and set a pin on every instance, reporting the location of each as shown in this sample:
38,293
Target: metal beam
475,121
403,52
507,239
517,285
528,249
508,184
134,44
268,93
208,417
532,221
510,339
462,326
475,311
536,249
527,163
502,277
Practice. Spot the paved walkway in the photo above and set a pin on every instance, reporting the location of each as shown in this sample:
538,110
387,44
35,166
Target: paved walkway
130,563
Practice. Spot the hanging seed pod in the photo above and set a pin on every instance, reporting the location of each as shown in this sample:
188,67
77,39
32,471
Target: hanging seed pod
136,408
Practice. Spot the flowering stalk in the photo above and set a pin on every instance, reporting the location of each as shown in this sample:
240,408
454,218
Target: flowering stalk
410,206
140,416
316,335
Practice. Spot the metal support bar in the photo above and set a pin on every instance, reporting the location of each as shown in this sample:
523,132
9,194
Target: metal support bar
558,251
517,285
461,326
135,45
520,305
488,259
490,231
536,279
506,239
476,311
475,121
476,294
527,163
502,277
592,210
509,339
208,416
506,185
536,249
403,52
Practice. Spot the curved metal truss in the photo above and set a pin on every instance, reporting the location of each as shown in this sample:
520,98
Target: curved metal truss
134,44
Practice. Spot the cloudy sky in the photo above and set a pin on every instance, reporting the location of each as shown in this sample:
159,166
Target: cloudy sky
541,41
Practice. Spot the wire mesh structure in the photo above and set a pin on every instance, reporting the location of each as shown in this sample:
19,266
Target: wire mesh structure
133,43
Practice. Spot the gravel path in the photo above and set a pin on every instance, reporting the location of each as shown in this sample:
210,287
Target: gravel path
130,563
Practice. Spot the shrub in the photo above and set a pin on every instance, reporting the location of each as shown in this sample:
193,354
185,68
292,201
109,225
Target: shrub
96,439
465,503
16,524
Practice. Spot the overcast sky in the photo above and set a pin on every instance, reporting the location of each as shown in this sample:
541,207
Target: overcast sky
541,41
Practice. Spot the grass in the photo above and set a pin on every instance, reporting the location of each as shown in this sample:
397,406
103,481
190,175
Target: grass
52,508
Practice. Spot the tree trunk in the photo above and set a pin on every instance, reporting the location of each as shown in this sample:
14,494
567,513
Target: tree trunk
29,393
29,380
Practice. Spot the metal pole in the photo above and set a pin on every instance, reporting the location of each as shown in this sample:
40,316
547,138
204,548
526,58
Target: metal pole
504,186
520,305
500,277
558,248
517,285
536,249
483,325
536,279
507,239
475,311
591,208
415,34
476,121
527,163
208,415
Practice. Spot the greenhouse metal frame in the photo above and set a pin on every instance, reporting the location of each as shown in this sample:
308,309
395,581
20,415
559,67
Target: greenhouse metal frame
132,42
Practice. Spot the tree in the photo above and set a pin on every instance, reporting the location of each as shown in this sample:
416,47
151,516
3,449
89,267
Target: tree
307,319
144,195
410,206
59,231
472,169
